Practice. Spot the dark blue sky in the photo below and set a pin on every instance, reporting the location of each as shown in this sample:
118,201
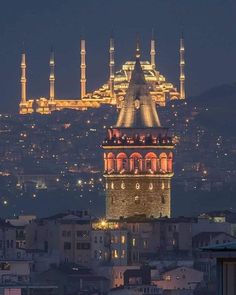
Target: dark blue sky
209,27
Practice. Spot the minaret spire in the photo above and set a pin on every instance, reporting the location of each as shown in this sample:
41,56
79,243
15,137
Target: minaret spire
153,51
23,77
83,69
137,53
112,65
52,76
182,65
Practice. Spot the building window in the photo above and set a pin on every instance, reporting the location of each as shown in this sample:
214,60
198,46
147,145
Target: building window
82,233
168,278
95,239
123,253
100,239
137,186
115,253
145,244
83,246
112,185
66,233
122,185
150,186
133,242
122,239
67,246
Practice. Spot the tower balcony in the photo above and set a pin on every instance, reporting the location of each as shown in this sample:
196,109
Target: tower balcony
136,140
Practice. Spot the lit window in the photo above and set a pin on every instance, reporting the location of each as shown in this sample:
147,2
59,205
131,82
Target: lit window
122,185
168,278
137,185
122,239
115,254
123,254
112,185
133,242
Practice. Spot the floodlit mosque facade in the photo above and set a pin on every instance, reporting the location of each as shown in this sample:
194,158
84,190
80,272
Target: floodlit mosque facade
112,92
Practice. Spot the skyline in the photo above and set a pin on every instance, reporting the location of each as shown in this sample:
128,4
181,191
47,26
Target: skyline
61,25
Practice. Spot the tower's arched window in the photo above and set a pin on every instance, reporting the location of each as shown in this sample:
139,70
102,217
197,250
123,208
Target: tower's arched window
122,185
110,162
122,162
150,186
151,162
163,200
136,162
137,200
163,162
170,162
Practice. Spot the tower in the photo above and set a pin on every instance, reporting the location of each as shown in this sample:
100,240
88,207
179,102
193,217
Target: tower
153,51
112,66
23,77
52,76
83,69
138,156
182,65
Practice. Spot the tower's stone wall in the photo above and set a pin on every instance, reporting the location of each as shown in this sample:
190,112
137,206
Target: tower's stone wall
128,195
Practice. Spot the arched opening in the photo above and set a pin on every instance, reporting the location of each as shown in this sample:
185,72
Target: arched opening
135,162
163,162
110,162
170,162
151,162
122,162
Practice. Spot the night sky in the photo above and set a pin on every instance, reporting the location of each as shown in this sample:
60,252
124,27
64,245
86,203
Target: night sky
209,27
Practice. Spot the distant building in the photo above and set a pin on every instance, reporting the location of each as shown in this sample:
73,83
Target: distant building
225,255
112,92
64,236
181,278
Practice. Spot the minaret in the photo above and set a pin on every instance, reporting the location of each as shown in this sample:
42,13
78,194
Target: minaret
112,66
83,69
153,51
23,77
182,65
52,76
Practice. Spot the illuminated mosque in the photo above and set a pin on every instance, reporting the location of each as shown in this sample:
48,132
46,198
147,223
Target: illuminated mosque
112,92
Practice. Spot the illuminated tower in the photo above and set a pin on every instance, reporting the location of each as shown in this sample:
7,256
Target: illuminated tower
182,65
153,51
52,77
23,78
112,66
138,156
83,69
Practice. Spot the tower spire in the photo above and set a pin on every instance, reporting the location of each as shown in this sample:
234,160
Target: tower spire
182,65
23,76
83,69
153,51
138,109
52,76
112,65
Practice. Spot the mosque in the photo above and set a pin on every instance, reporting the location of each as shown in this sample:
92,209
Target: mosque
112,92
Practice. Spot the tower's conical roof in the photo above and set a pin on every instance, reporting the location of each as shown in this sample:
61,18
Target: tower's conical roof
138,109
